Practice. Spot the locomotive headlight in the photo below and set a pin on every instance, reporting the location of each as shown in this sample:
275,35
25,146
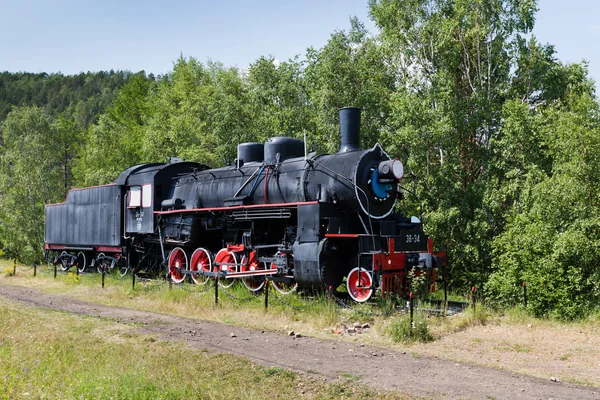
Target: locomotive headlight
384,177
390,169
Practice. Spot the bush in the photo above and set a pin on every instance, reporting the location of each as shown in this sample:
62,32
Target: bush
400,329
560,269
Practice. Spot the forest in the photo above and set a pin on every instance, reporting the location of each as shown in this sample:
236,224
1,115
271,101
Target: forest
500,139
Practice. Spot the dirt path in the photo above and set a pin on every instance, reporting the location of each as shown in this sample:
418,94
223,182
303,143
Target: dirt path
381,368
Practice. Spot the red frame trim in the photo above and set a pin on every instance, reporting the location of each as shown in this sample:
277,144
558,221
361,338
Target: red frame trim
236,248
108,249
54,247
192,210
74,189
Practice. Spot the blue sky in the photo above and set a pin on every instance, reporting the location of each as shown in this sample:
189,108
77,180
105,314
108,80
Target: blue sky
70,36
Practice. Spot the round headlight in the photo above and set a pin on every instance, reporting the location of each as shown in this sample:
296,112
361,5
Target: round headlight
397,169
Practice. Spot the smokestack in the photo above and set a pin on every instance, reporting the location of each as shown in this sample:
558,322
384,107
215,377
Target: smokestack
349,129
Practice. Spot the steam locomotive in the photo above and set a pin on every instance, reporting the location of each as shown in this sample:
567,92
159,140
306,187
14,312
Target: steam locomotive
299,220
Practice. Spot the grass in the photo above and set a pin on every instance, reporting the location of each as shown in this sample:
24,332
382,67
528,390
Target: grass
317,316
510,339
48,354
402,329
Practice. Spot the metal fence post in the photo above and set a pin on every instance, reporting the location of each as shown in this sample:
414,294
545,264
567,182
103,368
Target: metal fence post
14,267
35,263
266,293
411,305
133,278
525,294
473,298
217,289
103,274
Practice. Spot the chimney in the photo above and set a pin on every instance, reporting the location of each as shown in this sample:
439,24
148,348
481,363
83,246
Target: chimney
349,129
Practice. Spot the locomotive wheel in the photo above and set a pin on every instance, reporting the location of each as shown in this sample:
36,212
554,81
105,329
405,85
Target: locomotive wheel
359,289
228,257
81,261
201,261
282,287
253,283
177,260
64,261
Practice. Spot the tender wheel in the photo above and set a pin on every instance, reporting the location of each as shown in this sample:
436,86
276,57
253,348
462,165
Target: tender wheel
360,287
64,261
253,283
201,261
81,261
123,269
177,260
102,263
282,287
227,257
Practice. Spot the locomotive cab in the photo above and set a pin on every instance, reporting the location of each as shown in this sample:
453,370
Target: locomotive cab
147,186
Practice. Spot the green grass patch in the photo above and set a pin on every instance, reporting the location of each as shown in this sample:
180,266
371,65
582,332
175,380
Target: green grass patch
49,354
402,329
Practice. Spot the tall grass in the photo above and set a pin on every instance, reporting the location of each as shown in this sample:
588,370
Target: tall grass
402,329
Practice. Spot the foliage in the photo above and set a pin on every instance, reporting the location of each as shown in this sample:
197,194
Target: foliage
278,99
401,330
197,108
114,142
551,241
498,138
33,164
350,70
82,97
454,62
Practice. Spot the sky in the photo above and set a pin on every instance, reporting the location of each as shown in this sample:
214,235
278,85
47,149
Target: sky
71,36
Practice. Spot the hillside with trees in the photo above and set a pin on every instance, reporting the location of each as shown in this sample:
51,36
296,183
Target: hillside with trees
500,140
81,97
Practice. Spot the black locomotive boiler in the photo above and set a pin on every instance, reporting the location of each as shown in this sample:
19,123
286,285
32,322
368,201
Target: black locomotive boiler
300,220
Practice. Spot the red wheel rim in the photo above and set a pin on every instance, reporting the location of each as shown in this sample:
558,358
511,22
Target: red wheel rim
253,284
226,257
201,261
177,261
282,287
357,286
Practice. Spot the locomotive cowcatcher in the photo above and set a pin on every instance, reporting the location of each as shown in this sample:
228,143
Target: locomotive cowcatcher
299,220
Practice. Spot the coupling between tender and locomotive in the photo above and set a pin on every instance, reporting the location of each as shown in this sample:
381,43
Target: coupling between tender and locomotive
304,220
